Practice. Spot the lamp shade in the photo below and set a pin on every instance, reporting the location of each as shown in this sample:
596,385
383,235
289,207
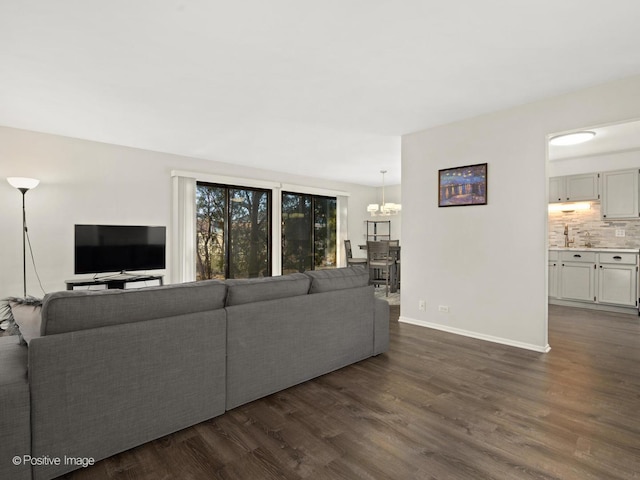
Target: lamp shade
23,182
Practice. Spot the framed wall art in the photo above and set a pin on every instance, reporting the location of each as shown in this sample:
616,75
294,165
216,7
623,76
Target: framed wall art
461,186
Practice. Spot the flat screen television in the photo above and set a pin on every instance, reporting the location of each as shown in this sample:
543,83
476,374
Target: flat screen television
118,248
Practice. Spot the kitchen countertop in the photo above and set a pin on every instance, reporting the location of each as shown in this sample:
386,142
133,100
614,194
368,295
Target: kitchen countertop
596,249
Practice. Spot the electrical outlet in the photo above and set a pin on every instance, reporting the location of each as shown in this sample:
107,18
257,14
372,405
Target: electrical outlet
422,305
620,233
443,308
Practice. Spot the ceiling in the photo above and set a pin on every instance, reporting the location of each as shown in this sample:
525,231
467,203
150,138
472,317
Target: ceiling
312,88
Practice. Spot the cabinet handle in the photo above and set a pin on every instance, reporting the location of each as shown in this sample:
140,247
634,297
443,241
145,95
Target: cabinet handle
600,266
577,256
617,257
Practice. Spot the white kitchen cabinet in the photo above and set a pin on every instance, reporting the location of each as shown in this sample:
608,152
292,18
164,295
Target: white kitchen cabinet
578,281
553,273
617,279
620,194
617,285
594,278
582,187
553,279
556,189
574,188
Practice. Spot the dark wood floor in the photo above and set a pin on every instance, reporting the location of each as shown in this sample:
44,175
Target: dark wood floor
436,406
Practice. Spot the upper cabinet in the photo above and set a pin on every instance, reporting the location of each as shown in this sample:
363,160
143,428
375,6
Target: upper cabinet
620,194
557,187
573,188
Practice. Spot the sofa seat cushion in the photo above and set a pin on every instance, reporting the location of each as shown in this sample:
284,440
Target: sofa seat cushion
249,290
338,279
70,311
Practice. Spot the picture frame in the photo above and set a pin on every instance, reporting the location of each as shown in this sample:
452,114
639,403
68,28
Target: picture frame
462,186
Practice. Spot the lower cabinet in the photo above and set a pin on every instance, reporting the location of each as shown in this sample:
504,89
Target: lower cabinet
553,279
578,281
617,284
608,279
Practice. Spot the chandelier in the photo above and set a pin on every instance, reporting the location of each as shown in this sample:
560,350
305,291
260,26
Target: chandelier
383,209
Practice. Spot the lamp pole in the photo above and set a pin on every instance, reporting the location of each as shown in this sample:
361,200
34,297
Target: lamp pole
23,184
24,242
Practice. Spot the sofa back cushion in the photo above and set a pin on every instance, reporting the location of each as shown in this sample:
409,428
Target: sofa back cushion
338,279
249,290
81,310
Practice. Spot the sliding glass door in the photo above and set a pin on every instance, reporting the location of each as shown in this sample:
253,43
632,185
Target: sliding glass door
233,232
308,232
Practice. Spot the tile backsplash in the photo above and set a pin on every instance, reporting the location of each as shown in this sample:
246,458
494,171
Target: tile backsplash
602,232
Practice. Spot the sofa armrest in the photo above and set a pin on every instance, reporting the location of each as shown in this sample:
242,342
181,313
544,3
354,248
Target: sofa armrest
15,428
381,327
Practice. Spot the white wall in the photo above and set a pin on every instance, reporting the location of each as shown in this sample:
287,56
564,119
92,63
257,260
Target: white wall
90,182
488,263
594,163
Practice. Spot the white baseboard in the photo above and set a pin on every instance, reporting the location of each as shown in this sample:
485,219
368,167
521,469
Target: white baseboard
479,336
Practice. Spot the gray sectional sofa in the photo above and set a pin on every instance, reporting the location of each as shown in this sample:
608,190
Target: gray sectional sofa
114,369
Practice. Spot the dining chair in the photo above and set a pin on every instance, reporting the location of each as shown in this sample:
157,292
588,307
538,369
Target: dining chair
395,253
381,264
351,260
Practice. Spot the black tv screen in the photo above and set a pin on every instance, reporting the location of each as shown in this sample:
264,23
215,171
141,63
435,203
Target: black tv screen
117,248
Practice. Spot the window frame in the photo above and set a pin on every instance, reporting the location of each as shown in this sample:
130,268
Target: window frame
184,217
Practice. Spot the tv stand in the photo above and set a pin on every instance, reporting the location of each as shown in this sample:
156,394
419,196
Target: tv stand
113,281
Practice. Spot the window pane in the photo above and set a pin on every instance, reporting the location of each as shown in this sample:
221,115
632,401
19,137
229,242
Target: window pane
297,247
325,220
210,222
249,234
308,232
233,232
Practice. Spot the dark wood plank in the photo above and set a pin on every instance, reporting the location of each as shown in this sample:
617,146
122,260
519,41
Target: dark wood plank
436,406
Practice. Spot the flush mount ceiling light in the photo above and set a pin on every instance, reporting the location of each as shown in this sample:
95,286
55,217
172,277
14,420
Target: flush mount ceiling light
572,138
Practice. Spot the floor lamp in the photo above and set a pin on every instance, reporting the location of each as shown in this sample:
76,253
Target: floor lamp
24,185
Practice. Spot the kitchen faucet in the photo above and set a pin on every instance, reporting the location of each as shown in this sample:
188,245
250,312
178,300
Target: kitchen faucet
567,242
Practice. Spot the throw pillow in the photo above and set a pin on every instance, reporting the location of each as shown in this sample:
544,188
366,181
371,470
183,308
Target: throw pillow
26,313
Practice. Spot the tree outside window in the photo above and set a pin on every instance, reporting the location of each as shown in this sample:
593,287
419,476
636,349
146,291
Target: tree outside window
233,232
